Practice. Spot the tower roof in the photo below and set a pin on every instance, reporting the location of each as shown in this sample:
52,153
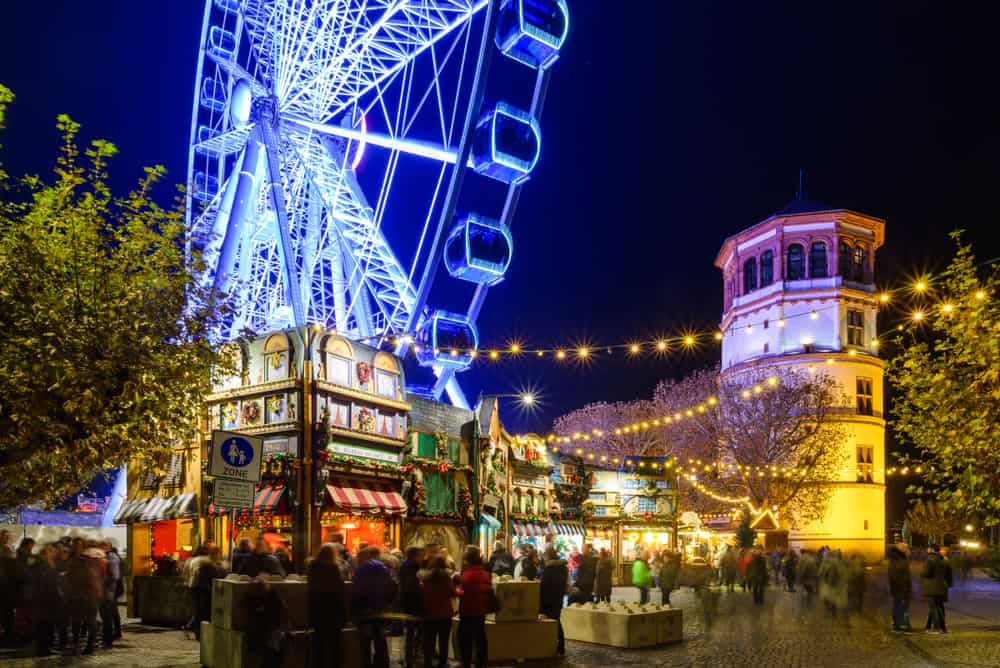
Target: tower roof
803,205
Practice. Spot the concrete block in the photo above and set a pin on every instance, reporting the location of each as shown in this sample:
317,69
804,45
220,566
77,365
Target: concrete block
230,609
621,625
514,641
207,645
230,650
518,599
669,626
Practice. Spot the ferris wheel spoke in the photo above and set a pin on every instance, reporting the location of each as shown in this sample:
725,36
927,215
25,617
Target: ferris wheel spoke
409,146
400,34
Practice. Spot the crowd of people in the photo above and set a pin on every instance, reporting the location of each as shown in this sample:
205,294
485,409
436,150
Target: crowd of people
56,592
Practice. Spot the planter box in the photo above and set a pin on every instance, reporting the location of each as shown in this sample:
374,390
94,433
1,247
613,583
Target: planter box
229,602
519,600
619,625
161,601
516,641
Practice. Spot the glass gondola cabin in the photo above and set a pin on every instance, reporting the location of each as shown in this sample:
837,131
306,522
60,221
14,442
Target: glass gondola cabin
478,250
447,340
506,144
532,31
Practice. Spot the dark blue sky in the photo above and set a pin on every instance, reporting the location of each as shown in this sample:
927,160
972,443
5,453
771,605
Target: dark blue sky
668,127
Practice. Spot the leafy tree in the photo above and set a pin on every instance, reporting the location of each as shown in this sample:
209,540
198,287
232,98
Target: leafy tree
104,348
947,382
745,534
933,520
770,439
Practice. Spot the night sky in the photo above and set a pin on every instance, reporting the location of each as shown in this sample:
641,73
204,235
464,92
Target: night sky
668,127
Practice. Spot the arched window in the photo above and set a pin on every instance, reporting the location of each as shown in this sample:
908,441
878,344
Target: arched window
766,268
750,275
858,260
817,260
844,260
796,262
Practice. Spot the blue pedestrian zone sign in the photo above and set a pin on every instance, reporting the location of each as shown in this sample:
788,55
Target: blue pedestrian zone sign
235,456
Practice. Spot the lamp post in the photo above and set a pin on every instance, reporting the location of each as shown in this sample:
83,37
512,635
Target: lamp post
308,464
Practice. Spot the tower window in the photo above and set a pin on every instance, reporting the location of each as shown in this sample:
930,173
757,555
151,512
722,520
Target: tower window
817,260
796,262
865,464
750,275
855,327
766,268
858,260
844,255
863,392
767,348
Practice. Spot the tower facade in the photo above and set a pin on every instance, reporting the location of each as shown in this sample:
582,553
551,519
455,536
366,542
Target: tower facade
799,291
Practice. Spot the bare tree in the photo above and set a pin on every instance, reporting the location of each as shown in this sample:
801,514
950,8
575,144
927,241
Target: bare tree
770,439
599,423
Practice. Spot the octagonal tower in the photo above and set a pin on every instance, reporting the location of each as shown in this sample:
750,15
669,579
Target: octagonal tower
799,291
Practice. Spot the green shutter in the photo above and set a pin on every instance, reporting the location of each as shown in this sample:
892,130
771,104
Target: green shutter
425,445
453,447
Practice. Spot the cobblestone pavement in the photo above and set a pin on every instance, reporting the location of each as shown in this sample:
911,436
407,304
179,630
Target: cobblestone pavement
720,629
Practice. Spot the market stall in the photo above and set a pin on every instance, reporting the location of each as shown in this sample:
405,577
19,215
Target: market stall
270,517
363,510
567,536
524,532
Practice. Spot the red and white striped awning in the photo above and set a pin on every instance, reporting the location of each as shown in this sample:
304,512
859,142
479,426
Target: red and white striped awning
522,528
268,499
568,528
352,495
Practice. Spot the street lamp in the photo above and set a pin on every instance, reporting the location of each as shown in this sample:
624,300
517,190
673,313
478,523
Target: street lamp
969,527
526,398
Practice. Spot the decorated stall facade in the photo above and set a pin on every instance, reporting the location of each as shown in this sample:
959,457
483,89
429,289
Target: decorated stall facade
440,475
361,433
492,477
532,502
632,509
263,397
570,483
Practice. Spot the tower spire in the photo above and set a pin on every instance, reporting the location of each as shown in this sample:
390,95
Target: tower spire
801,194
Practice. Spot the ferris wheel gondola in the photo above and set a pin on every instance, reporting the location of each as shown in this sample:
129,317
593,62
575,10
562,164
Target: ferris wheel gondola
330,144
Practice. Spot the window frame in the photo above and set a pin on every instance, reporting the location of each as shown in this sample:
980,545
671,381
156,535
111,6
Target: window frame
380,375
766,268
865,463
816,258
348,363
855,330
864,395
749,275
800,262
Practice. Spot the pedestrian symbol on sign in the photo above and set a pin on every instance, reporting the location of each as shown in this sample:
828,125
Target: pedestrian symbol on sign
237,452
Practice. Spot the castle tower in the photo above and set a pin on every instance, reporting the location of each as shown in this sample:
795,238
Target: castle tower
803,280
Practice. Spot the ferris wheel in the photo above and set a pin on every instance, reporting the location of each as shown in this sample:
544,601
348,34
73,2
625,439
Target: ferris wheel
343,151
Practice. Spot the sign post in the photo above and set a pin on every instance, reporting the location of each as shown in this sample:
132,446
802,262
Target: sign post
235,463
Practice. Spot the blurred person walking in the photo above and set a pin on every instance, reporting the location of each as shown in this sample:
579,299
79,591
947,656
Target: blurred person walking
555,581
789,568
46,599
372,592
327,608
208,570
936,578
475,601
669,571
438,591
641,576
756,576
900,588
261,562
602,578
411,600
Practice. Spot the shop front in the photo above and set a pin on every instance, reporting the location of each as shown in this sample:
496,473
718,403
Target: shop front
489,530
269,518
362,510
567,536
524,532
603,537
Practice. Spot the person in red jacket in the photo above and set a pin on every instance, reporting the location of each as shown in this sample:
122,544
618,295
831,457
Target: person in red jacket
437,591
473,605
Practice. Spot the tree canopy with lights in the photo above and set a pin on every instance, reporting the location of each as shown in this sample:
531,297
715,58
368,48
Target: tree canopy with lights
947,382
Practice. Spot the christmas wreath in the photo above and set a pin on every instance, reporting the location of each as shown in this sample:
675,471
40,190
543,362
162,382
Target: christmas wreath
364,373
275,360
366,420
229,412
251,412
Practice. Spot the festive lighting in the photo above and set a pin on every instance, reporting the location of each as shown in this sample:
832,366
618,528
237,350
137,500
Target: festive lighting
718,336
813,315
634,349
920,286
947,308
561,354
515,348
980,295
781,322
918,315
884,297
494,354
661,345
583,352
689,340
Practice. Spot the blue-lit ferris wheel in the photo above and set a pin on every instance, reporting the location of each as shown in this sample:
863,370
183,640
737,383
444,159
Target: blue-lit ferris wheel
331,141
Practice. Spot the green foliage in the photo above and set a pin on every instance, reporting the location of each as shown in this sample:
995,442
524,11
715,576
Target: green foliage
745,534
947,381
991,563
933,520
104,349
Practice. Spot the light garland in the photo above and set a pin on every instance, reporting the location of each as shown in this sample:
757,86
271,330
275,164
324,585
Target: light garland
688,340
